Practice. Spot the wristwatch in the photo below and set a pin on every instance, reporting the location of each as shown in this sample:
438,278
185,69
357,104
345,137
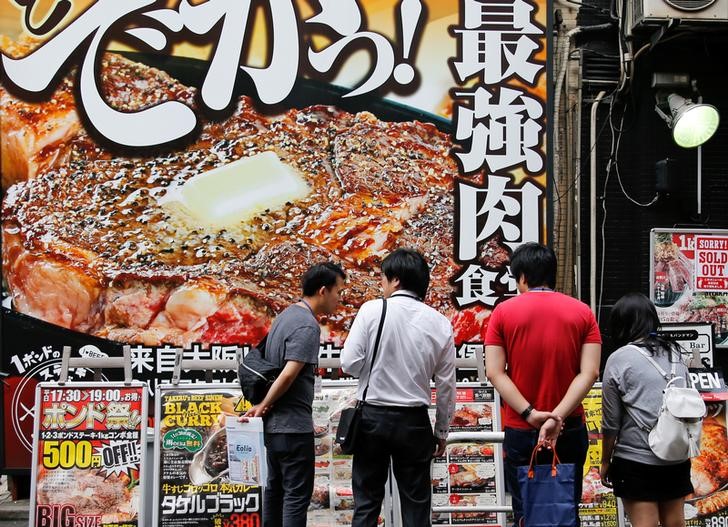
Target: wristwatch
527,412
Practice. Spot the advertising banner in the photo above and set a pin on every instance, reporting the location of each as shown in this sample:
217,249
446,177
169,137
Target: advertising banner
598,507
685,280
89,455
470,474
332,503
171,168
708,505
194,483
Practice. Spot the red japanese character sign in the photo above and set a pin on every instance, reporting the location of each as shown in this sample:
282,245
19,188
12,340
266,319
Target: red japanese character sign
89,455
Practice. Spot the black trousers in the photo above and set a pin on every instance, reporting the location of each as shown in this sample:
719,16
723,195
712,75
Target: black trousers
571,447
290,479
404,436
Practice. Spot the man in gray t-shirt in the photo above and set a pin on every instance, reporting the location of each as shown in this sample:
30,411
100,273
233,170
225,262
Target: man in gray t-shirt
293,343
294,336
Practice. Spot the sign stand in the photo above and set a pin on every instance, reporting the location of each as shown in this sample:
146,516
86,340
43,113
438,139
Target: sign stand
89,439
206,365
95,363
192,474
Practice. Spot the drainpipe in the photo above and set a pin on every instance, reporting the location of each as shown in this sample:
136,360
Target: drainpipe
593,203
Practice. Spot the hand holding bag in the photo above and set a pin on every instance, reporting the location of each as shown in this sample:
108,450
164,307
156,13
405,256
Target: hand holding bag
350,417
548,492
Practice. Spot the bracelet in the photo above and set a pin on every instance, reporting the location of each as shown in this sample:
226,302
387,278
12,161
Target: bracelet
527,412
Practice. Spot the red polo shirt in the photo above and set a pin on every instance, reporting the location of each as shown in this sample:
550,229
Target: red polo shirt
542,333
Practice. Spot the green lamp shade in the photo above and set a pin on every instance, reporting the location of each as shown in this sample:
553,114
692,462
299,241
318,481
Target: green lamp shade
693,124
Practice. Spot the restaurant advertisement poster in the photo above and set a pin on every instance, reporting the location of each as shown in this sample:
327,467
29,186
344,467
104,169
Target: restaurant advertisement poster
598,507
134,135
688,278
89,452
708,505
470,474
332,502
194,483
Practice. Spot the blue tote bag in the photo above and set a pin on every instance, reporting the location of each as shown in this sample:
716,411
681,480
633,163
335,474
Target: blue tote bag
548,493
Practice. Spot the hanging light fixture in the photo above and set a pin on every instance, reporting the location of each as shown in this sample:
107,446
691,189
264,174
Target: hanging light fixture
692,124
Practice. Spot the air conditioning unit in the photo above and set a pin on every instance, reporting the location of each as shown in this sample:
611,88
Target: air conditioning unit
655,12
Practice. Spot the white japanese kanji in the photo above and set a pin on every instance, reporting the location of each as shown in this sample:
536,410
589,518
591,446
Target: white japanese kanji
483,211
502,134
166,357
142,358
196,353
477,286
494,34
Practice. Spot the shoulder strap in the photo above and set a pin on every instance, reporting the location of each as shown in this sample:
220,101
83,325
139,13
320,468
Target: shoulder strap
652,361
663,373
376,347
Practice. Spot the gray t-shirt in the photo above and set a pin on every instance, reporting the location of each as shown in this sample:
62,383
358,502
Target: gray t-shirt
294,335
631,385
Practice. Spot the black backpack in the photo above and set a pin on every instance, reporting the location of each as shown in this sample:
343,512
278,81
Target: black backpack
256,374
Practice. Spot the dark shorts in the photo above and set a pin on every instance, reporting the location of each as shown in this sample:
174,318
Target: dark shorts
642,482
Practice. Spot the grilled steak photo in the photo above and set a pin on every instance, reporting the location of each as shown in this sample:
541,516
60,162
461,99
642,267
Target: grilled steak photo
141,250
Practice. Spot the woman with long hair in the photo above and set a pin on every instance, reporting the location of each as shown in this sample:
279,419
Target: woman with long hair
652,490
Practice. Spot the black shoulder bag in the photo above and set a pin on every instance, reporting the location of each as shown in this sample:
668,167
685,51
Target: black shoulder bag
350,417
256,374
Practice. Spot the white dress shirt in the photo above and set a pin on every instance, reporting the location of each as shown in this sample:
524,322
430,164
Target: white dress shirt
416,345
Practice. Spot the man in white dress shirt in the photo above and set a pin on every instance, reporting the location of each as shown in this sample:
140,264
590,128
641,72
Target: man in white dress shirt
416,346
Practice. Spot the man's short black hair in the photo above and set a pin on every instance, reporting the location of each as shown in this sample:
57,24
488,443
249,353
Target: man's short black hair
536,263
410,267
322,274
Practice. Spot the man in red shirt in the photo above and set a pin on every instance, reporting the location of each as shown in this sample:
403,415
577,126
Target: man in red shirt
542,352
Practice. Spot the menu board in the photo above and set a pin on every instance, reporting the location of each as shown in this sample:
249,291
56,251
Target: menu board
332,503
688,277
193,485
89,455
470,474
598,507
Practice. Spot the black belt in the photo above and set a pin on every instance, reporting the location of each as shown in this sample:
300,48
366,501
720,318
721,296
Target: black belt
402,409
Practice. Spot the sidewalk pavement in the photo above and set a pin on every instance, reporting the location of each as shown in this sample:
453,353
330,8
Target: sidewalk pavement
12,513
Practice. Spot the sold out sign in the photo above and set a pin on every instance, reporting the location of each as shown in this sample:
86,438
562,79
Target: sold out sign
711,263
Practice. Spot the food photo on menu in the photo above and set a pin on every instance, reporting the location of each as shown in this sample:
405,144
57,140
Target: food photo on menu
709,471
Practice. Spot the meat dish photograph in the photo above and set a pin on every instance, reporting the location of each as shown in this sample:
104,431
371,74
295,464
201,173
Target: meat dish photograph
470,450
115,498
472,414
676,270
322,446
709,471
320,497
132,248
473,477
